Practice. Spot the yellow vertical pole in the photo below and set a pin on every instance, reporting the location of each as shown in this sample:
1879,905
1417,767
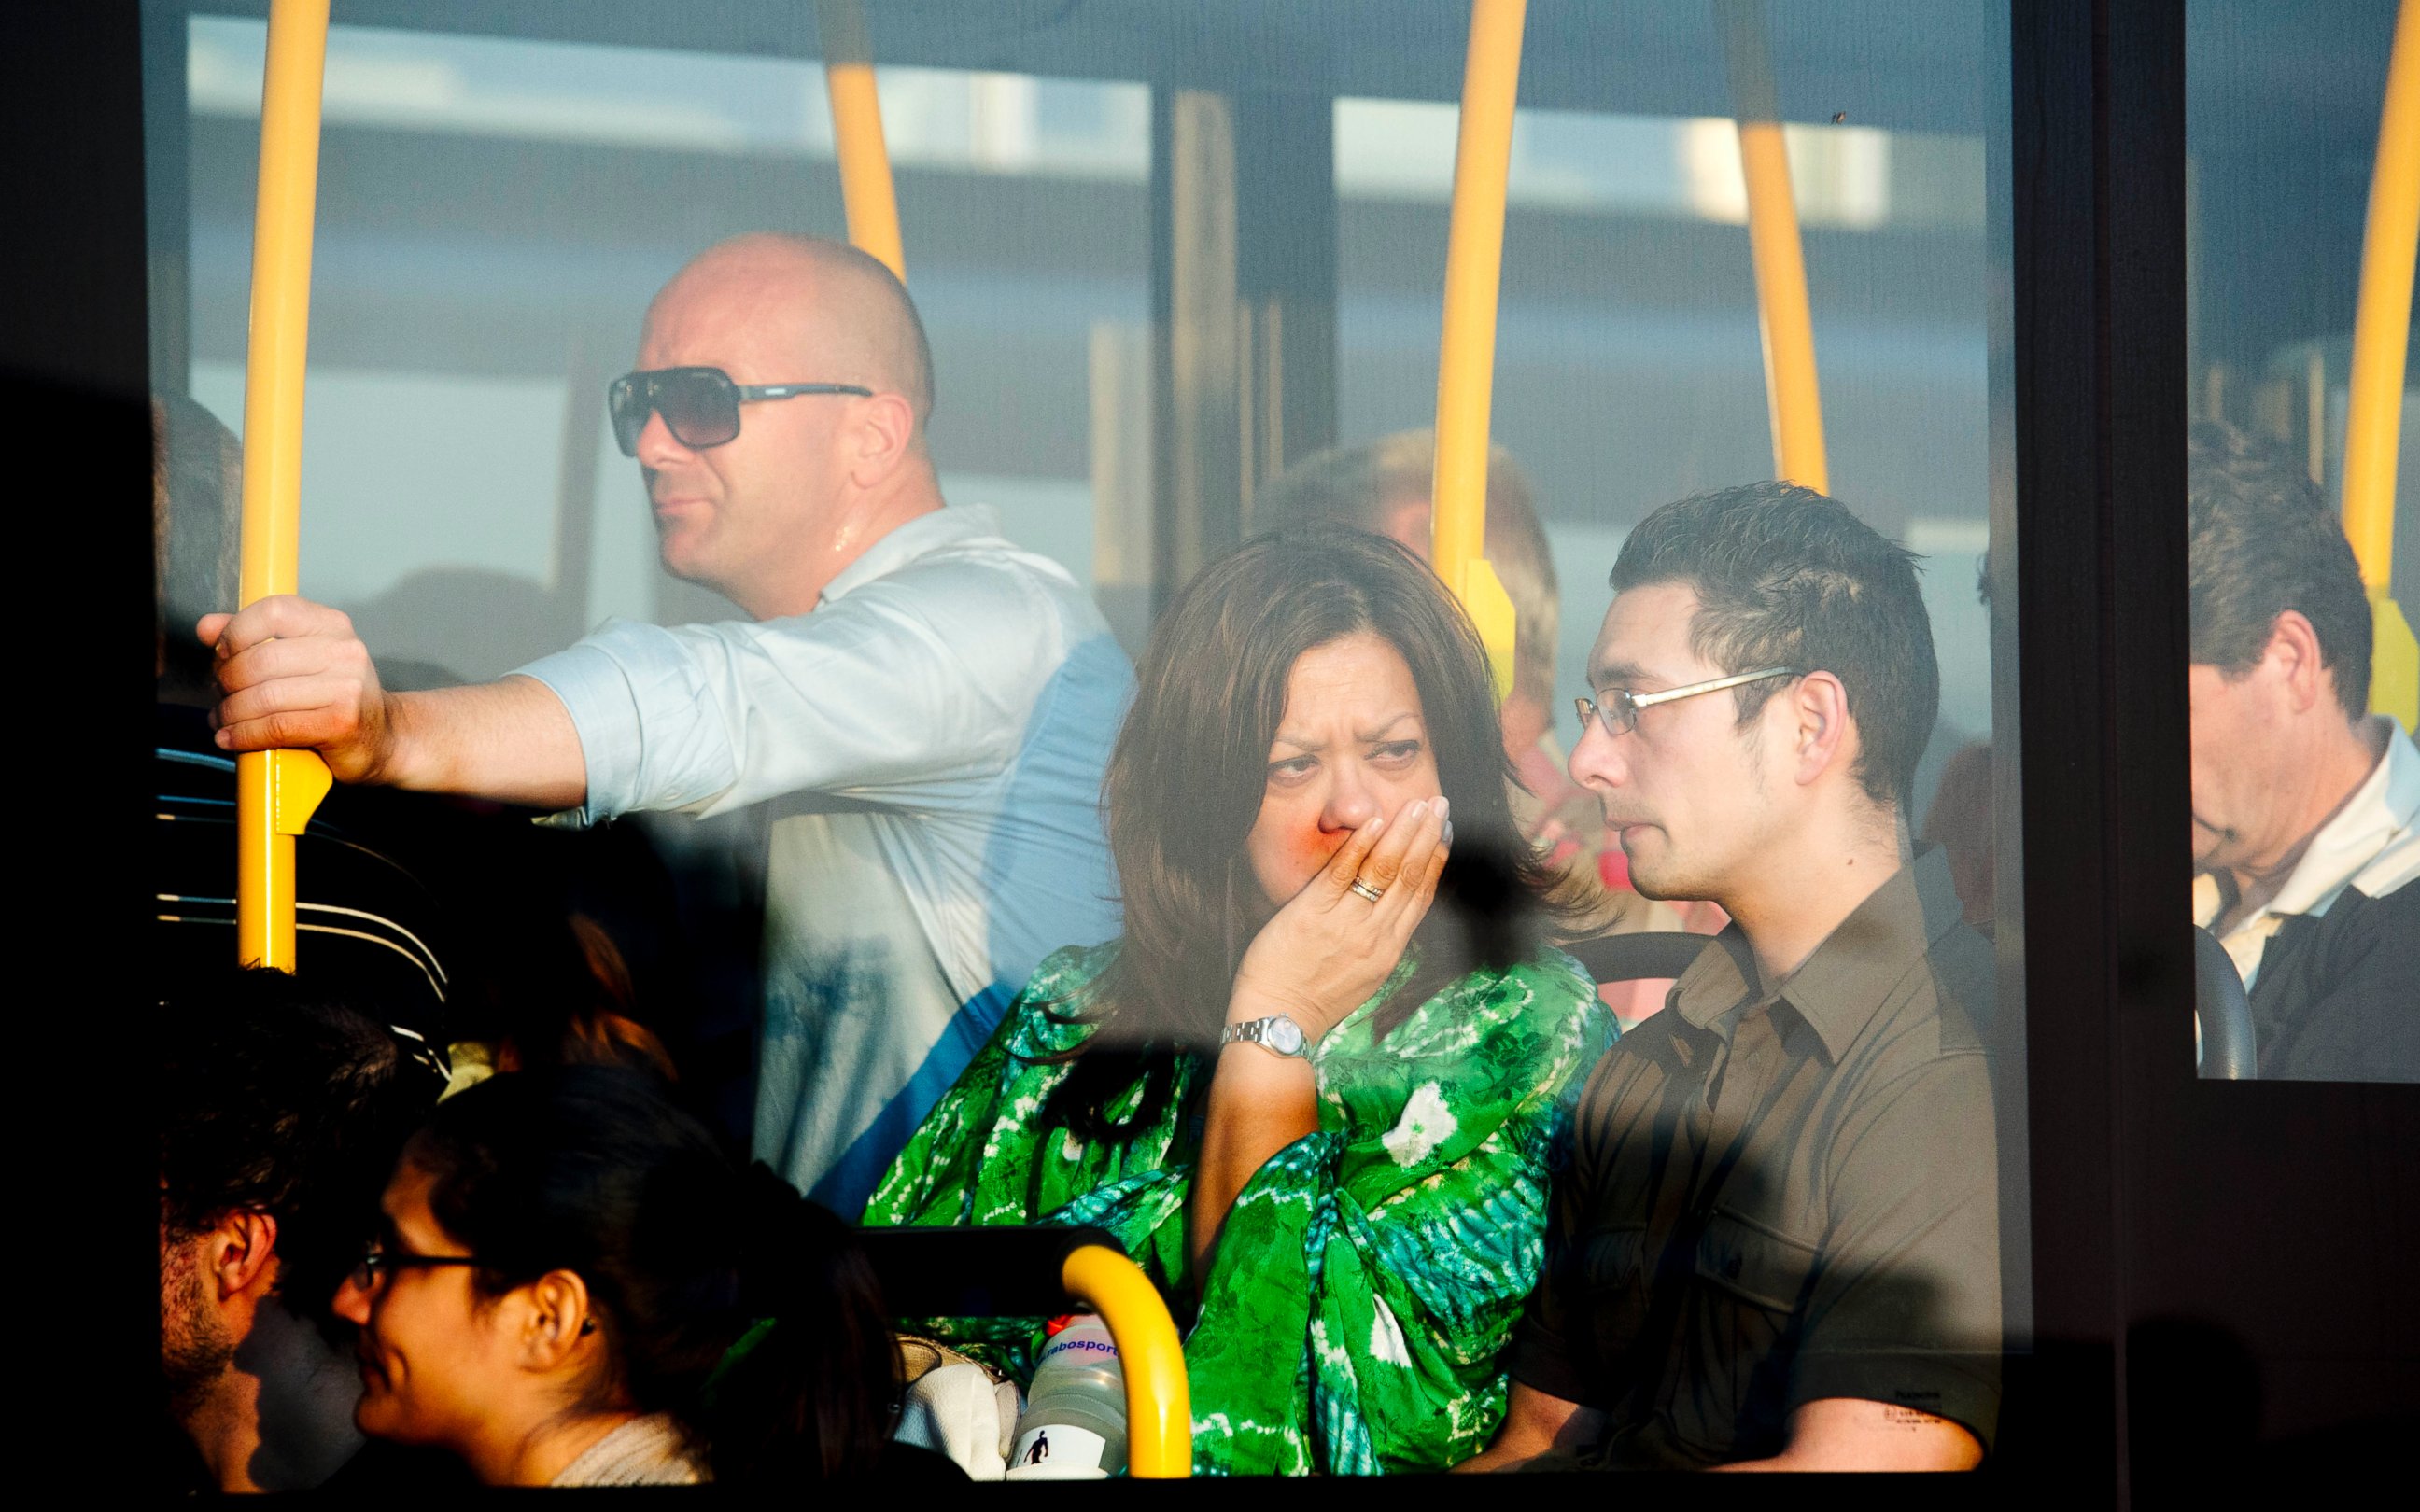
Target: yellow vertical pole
275,791
1160,1400
1474,261
2381,336
1782,313
865,189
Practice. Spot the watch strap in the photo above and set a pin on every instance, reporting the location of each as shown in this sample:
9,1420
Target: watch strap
1261,1031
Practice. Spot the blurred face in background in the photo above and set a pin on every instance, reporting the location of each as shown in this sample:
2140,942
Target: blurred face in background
1410,520
1352,747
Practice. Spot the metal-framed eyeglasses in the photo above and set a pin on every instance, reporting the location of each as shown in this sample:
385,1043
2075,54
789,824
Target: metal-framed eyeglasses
1619,706
700,405
378,1261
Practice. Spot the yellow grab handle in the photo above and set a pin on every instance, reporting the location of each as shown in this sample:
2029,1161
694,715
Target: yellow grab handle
1160,1404
2394,663
2381,335
1474,262
866,194
276,791
1782,311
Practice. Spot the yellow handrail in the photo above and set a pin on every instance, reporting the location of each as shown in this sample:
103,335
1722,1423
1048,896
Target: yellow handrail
1782,313
276,791
866,192
2381,334
1159,1403
1474,261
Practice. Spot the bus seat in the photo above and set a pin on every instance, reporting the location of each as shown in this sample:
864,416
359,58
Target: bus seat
1645,956
2224,1011
1038,1270
1001,1272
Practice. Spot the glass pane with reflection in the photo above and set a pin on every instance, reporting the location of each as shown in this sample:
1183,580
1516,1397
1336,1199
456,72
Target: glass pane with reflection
2303,474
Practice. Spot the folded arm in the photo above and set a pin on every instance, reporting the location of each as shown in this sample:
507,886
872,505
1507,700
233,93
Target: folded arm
1404,1243
1534,1423
1260,1102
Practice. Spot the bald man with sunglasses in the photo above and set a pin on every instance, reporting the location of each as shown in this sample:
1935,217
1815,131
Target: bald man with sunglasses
923,709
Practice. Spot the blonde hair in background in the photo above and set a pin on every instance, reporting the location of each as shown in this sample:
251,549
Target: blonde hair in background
1363,485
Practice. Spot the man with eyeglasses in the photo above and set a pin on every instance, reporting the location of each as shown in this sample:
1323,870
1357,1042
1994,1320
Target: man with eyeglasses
1777,1243
923,710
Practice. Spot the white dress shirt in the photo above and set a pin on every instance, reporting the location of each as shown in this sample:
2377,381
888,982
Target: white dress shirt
932,738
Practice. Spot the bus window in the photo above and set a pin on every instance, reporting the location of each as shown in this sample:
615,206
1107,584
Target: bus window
830,801
2302,471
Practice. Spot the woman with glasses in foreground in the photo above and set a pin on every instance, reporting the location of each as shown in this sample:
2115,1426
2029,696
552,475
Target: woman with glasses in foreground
574,1286
1316,1082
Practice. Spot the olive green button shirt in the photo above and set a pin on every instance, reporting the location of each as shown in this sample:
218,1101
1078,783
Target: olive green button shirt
1778,1198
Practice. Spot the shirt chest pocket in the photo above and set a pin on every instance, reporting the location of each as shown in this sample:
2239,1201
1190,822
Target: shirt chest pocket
1614,1278
1737,1332
1753,1263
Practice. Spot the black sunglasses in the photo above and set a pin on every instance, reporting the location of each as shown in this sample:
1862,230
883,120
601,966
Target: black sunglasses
700,405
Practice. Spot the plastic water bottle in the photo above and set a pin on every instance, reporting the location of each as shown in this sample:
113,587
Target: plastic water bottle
1075,1422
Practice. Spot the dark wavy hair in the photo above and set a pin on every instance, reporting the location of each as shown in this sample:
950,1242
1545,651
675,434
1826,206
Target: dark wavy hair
276,1095
2261,541
1188,774
590,1169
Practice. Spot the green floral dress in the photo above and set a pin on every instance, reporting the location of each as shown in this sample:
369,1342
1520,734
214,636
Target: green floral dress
1387,1255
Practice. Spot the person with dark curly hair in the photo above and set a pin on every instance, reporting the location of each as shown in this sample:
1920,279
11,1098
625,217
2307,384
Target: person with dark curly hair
281,1110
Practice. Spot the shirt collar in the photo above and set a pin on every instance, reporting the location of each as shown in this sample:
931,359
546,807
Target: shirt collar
920,537
1839,988
2384,807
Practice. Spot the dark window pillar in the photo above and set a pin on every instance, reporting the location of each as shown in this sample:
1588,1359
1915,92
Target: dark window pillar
1243,310
166,199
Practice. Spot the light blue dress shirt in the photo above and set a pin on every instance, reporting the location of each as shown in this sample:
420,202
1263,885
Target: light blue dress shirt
933,738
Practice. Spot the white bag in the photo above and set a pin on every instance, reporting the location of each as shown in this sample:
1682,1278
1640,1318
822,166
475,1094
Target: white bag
959,1410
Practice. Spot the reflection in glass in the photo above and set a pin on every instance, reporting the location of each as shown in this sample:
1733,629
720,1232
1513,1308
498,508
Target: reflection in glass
2305,784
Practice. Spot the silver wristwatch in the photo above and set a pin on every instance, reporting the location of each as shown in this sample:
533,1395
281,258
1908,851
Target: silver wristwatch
1277,1032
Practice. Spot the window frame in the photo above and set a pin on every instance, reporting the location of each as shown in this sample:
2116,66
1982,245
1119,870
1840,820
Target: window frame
2149,1193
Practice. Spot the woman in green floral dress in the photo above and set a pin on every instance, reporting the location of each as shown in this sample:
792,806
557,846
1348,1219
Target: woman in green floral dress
1292,1088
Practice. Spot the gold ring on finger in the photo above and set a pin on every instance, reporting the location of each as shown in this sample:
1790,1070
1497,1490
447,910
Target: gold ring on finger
1373,894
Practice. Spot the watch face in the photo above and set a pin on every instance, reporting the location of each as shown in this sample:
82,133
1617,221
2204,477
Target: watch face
1284,1036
